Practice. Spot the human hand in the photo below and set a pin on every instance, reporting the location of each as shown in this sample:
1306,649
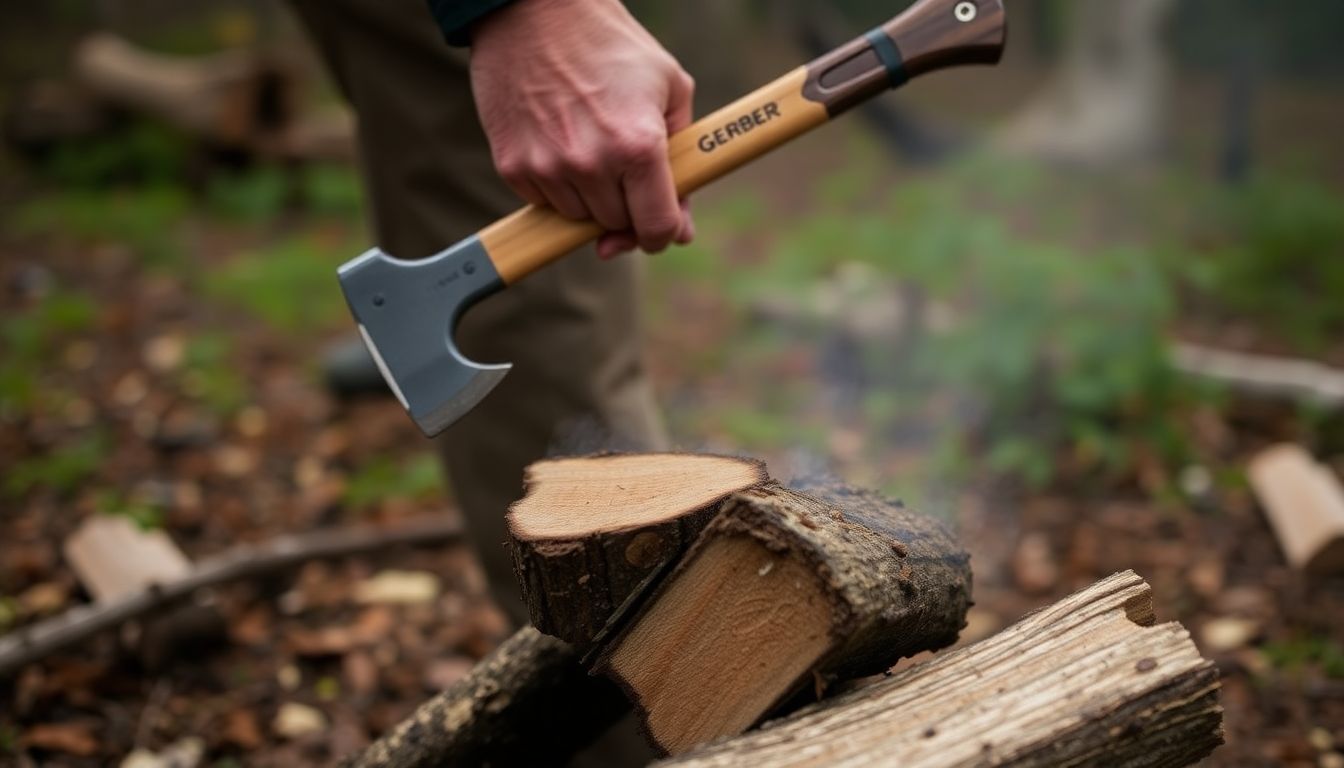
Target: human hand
577,100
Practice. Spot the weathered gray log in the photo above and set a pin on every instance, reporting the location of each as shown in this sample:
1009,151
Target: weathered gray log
1090,680
591,532
783,591
527,703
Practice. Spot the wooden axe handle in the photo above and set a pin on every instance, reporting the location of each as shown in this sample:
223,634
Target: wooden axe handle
930,35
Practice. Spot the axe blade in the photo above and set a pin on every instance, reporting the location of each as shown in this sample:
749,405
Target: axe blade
407,312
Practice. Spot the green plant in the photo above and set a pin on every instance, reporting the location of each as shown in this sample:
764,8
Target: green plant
146,515
210,373
384,478
144,218
1271,251
290,285
254,196
1307,650
60,470
145,152
28,337
333,191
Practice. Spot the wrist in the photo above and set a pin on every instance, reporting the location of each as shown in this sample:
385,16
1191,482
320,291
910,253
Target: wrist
541,19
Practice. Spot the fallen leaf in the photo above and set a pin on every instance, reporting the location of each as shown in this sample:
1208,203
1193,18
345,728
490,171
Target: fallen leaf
47,597
1034,568
403,587
184,753
242,729
1227,634
70,738
164,353
294,720
360,672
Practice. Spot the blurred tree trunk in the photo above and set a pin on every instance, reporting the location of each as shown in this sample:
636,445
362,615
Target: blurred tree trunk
1106,103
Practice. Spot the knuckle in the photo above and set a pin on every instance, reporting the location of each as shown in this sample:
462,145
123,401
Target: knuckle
638,146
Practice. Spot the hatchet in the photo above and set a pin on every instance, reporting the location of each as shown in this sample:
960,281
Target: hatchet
407,311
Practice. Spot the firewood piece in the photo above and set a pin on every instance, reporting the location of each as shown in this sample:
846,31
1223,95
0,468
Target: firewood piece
1305,504
34,642
786,590
529,702
1262,375
112,557
590,532
1091,680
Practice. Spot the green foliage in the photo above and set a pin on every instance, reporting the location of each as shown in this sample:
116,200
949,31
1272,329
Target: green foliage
143,218
146,152
1271,252
1302,651
290,285
255,196
61,470
384,478
333,190
146,515
210,373
28,337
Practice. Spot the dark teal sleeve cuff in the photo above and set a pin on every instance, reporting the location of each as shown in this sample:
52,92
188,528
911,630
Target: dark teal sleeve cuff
455,17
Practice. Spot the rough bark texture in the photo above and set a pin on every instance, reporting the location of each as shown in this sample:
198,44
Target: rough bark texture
527,703
892,583
574,585
1091,680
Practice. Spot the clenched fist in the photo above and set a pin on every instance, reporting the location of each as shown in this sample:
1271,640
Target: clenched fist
577,100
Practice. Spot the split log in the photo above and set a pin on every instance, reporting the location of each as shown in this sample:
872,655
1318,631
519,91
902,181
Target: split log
785,590
1090,680
529,702
1304,502
591,532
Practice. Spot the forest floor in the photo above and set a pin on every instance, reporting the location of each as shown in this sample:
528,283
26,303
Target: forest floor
160,362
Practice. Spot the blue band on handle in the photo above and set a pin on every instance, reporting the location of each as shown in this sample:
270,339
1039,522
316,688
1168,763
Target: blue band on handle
890,56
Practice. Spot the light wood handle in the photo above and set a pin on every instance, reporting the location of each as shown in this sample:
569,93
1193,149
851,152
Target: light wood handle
931,34
532,237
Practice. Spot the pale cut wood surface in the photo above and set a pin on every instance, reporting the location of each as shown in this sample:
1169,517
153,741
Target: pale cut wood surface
1305,505
1090,680
112,557
592,533
735,653
583,496
783,591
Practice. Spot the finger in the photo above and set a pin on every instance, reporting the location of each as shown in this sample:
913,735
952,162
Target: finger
655,214
613,244
562,196
524,188
687,233
602,197
680,103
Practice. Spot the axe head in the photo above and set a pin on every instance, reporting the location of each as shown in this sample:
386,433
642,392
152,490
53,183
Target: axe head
407,312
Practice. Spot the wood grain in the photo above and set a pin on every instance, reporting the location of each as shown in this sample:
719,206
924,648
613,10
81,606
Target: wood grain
1090,680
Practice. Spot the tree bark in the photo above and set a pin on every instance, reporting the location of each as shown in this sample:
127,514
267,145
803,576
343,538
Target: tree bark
785,590
590,533
527,703
1091,680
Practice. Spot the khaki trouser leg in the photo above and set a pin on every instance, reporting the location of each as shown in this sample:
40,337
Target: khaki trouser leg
571,330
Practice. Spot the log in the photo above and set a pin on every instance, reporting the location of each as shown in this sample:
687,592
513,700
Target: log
591,532
784,591
529,702
1091,680
232,98
1280,378
1304,502
75,625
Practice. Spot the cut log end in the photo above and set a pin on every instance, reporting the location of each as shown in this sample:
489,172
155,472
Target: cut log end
579,497
593,532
